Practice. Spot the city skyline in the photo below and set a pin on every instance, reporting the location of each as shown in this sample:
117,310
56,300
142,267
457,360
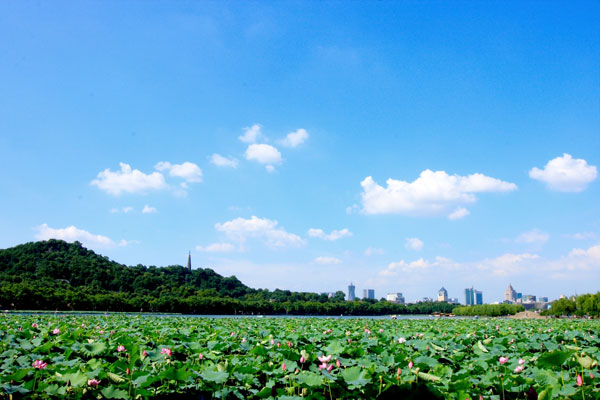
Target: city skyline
384,143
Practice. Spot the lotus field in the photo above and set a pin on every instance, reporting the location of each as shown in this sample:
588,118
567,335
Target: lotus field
122,357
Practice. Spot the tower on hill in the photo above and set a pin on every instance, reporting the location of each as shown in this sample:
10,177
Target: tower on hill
189,263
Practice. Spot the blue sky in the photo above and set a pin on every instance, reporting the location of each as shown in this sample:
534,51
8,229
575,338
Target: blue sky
402,146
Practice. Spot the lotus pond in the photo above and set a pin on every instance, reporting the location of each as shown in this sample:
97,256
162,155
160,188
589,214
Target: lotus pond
122,357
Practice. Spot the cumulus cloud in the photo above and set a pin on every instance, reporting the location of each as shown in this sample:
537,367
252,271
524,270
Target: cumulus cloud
240,229
565,174
128,181
334,235
188,170
294,139
534,236
507,264
251,134
414,244
72,234
216,248
431,194
221,161
327,260
264,154
149,210
459,213
373,251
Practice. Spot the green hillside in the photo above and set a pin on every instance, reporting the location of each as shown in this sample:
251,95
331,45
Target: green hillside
56,275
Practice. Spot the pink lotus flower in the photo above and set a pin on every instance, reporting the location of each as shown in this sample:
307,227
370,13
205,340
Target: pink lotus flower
401,340
337,363
127,372
272,342
410,364
145,353
278,345
34,325
120,348
399,371
93,382
302,360
39,364
591,375
243,340
502,360
579,380
283,367
166,351
521,361
330,368
56,331
200,356
368,332
380,330
349,341
323,366
324,359
289,344
519,369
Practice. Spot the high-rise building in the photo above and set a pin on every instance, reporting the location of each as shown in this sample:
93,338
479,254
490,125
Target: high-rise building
369,294
510,294
351,292
442,295
473,296
189,263
395,298
478,297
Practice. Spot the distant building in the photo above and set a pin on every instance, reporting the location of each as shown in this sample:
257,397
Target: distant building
395,298
369,294
473,297
478,297
442,295
189,263
351,292
543,300
510,294
529,298
453,300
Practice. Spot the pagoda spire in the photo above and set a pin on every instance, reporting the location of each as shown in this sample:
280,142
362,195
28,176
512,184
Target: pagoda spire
189,263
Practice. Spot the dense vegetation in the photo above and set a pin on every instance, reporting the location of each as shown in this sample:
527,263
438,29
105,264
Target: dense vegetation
585,304
119,357
488,310
54,274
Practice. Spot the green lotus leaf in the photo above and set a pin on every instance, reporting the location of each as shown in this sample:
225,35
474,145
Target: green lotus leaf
114,378
111,392
93,349
215,376
355,376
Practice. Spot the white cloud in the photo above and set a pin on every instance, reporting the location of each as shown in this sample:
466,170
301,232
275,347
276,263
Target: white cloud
334,235
251,134
149,210
565,174
123,210
240,229
216,248
507,264
264,154
353,209
294,139
128,181
534,236
188,170
459,213
582,236
395,268
431,194
414,244
327,260
72,234
221,161
373,251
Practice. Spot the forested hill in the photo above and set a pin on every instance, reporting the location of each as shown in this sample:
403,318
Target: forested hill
56,263
56,275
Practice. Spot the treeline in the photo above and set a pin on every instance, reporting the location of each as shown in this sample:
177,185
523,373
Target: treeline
582,305
56,275
488,310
